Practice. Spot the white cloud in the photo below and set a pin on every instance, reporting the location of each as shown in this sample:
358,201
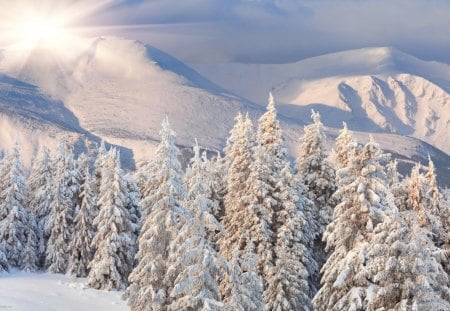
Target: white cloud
283,30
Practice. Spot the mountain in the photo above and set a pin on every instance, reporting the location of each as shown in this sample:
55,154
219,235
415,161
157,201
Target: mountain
373,90
121,90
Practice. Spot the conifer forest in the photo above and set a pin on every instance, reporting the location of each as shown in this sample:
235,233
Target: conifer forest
248,228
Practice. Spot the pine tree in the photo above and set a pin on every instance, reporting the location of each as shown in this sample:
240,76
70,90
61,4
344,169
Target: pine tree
362,197
81,251
165,216
402,269
134,206
194,268
59,224
288,287
30,258
200,205
396,186
244,285
98,166
39,199
13,210
112,260
419,202
344,143
73,179
82,165
434,203
317,173
216,183
238,157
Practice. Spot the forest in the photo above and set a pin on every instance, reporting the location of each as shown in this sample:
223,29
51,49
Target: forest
247,229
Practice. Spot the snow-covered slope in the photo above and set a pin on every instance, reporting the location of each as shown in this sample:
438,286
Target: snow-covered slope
33,118
23,291
375,90
121,90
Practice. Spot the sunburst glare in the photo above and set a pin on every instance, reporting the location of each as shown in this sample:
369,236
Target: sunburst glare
47,24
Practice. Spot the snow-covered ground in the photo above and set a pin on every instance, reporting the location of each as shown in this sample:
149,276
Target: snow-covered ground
45,291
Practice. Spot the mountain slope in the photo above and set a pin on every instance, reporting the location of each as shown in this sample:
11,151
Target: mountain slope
374,90
121,90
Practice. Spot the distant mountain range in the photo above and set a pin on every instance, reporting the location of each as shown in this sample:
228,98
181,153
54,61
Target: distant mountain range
373,90
120,90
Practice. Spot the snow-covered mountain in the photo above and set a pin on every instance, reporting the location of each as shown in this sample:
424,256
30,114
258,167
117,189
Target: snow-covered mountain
121,90
374,90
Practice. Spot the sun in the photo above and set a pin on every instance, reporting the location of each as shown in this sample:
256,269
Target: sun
47,24
40,30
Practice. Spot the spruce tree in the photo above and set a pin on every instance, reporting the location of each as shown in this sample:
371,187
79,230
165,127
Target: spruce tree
200,205
163,217
30,258
216,183
344,143
194,267
435,205
288,287
112,262
238,158
362,197
317,173
81,251
59,224
403,273
39,199
14,214
134,206
244,285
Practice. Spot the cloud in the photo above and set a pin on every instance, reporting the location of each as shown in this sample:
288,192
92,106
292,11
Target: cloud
282,30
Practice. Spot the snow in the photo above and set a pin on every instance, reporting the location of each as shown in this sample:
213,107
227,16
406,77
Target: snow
120,90
372,89
46,291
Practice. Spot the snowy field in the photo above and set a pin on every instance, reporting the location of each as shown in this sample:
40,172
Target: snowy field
45,291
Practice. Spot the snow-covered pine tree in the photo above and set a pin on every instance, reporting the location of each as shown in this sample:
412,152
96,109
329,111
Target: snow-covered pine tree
362,197
165,215
39,199
434,203
14,214
73,182
59,224
244,286
419,202
344,143
193,268
30,258
216,183
112,262
238,157
317,173
82,164
396,186
81,251
403,273
198,202
288,287
98,166
134,206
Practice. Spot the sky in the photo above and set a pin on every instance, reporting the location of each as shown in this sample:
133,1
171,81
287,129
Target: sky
270,31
